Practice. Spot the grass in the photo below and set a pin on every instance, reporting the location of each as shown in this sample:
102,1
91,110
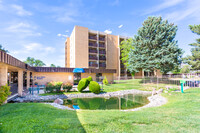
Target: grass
37,117
133,84
180,114
120,85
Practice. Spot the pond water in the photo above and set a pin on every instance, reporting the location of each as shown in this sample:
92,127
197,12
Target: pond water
129,101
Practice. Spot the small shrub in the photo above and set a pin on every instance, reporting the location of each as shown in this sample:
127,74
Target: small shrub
94,87
52,86
90,79
83,83
4,93
58,86
67,86
105,81
49,87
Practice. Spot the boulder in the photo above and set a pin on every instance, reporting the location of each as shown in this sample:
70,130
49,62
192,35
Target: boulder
160,91
154,92
58,101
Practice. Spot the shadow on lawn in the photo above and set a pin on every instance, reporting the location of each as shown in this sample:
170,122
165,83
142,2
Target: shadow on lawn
38,117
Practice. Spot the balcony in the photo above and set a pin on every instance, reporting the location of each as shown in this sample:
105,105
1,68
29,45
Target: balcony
92,37
102,52
101,38
92,58
102,65
92,44
92,51
102,58
102,45
93,65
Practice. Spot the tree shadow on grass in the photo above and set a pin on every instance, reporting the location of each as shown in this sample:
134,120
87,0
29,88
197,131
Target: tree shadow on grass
38,117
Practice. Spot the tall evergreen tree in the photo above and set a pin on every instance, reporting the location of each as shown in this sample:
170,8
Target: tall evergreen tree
155,47
194,59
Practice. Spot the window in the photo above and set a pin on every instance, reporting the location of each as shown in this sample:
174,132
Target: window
98,77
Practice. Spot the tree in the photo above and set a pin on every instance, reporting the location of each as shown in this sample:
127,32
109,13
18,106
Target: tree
39,63
194,59
185,69
125,48
155,47
52,65
34,62
2,49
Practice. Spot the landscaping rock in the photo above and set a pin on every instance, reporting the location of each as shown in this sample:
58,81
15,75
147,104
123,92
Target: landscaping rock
154,92
59,101
159,91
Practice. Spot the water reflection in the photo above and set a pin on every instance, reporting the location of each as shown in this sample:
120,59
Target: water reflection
123,102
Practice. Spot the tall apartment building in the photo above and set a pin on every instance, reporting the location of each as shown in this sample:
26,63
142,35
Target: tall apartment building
87,48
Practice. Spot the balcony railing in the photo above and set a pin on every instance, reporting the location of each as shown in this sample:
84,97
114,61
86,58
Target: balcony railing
92,51
92,58
93,44
102,52
102,65
101,38
102,58
102,45
93,65
93,37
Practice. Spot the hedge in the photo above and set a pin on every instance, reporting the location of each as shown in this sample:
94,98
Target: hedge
94,87
83,83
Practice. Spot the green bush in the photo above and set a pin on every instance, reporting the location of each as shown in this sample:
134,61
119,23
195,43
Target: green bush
83,83
90,79
105,81
94,87
58,85
52,86
49,87
67,86
4,93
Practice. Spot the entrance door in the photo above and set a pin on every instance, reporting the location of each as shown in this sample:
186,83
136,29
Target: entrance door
77,78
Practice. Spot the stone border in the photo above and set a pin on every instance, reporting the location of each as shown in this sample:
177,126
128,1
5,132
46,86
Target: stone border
38,98
155,101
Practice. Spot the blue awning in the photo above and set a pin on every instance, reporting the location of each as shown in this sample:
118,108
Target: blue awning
78,70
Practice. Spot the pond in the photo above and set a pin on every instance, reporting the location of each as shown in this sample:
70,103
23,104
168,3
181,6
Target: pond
129,101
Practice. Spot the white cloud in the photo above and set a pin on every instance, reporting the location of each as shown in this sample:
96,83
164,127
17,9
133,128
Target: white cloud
67,31
32,48
20,10
120,26
191,10
165,4
23,28
67,13
62,35
108,31
59,34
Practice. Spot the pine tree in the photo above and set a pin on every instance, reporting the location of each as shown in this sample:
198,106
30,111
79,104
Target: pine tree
155,47
194,59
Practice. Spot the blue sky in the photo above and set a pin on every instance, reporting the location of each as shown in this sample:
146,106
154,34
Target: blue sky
38,28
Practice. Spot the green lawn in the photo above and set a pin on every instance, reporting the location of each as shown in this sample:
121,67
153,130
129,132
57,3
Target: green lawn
180,114
133,84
